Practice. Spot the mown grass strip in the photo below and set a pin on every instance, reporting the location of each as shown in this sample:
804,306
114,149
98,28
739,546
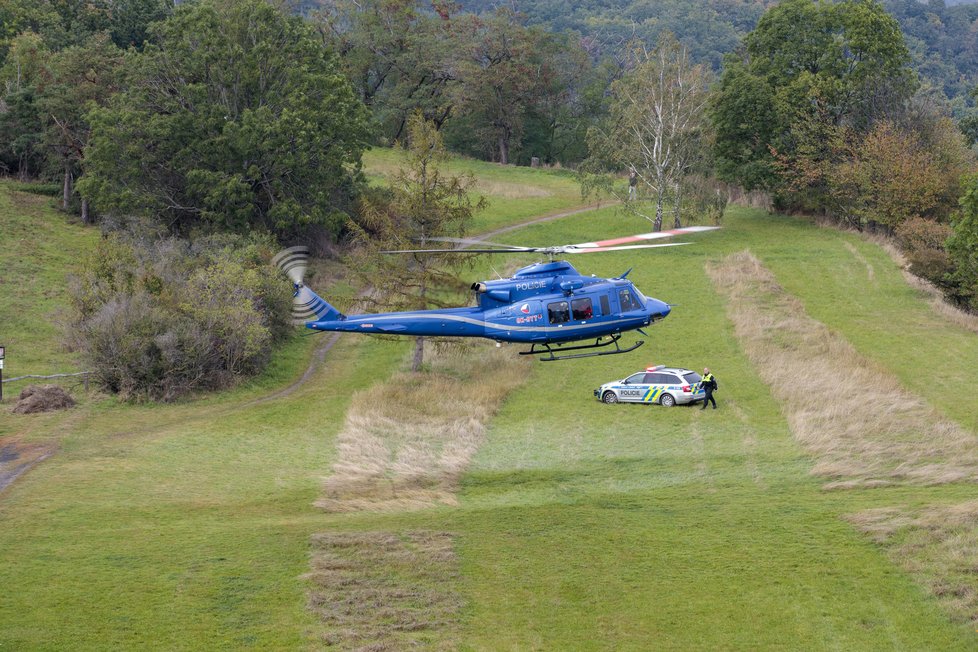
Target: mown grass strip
385,591
863,427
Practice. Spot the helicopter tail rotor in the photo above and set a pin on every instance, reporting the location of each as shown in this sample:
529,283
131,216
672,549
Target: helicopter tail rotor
293,261
306,304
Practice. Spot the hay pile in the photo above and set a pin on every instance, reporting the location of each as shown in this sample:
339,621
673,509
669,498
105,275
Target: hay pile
43,398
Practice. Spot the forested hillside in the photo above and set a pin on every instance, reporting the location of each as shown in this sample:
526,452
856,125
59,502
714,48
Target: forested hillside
942,36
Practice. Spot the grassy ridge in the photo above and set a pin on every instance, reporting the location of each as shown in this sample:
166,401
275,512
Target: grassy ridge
189,530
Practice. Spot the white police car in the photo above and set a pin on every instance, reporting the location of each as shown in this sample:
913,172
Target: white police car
663,385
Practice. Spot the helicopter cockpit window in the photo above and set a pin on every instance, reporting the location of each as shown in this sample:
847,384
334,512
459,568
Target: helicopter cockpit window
627,301
582,309
558,312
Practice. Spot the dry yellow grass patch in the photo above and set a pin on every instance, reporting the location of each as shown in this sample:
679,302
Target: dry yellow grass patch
938,546
862,426
382,591
406,442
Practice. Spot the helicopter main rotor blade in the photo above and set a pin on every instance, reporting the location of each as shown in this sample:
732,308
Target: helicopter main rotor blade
615,244
654,235
467,250
592,250
474,241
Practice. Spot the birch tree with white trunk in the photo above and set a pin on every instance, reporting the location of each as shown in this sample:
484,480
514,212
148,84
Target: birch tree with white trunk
657,118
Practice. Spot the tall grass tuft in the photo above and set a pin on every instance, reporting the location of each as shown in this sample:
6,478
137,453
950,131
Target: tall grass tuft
406,442
857,420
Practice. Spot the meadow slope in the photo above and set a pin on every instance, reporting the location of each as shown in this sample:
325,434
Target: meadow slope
578,526
585,526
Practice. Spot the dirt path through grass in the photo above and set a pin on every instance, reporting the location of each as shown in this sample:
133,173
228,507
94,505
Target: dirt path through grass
17,458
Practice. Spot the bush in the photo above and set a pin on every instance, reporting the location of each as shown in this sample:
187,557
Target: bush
923,242
160,319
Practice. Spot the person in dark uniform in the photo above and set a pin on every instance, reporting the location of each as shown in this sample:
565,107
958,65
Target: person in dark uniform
632,184
709,384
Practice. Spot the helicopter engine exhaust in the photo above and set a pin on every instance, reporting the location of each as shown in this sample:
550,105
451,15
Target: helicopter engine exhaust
479,287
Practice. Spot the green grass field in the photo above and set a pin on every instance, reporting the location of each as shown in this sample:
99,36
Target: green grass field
580,526
513,193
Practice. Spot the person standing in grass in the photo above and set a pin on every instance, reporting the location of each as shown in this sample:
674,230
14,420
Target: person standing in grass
709,385
632,184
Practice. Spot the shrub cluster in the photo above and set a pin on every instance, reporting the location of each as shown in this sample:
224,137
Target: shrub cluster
923,243
158,319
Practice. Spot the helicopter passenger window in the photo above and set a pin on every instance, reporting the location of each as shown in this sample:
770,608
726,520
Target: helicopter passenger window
627,301
605,305
582,309
558,312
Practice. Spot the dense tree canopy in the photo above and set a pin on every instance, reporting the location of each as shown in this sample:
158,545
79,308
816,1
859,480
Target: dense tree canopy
235,117
397,55
834,64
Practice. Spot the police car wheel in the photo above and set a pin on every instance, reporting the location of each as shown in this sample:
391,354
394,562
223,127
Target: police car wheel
609,397
667,400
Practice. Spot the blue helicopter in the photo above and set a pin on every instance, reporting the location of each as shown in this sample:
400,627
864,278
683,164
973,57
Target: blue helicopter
548,305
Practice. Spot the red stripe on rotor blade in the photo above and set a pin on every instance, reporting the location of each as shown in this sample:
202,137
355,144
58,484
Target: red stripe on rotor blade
647,236
638,238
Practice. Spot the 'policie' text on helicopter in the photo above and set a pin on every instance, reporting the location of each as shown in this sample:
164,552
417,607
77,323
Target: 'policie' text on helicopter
548,305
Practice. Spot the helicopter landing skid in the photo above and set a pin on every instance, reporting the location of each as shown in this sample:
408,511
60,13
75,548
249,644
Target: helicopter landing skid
597,345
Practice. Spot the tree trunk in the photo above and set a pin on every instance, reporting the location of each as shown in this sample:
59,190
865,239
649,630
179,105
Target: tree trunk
84,211
657,226
418,354
504,150
677,224
66,189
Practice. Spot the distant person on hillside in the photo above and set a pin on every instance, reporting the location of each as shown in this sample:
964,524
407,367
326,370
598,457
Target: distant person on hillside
709,384
632,184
